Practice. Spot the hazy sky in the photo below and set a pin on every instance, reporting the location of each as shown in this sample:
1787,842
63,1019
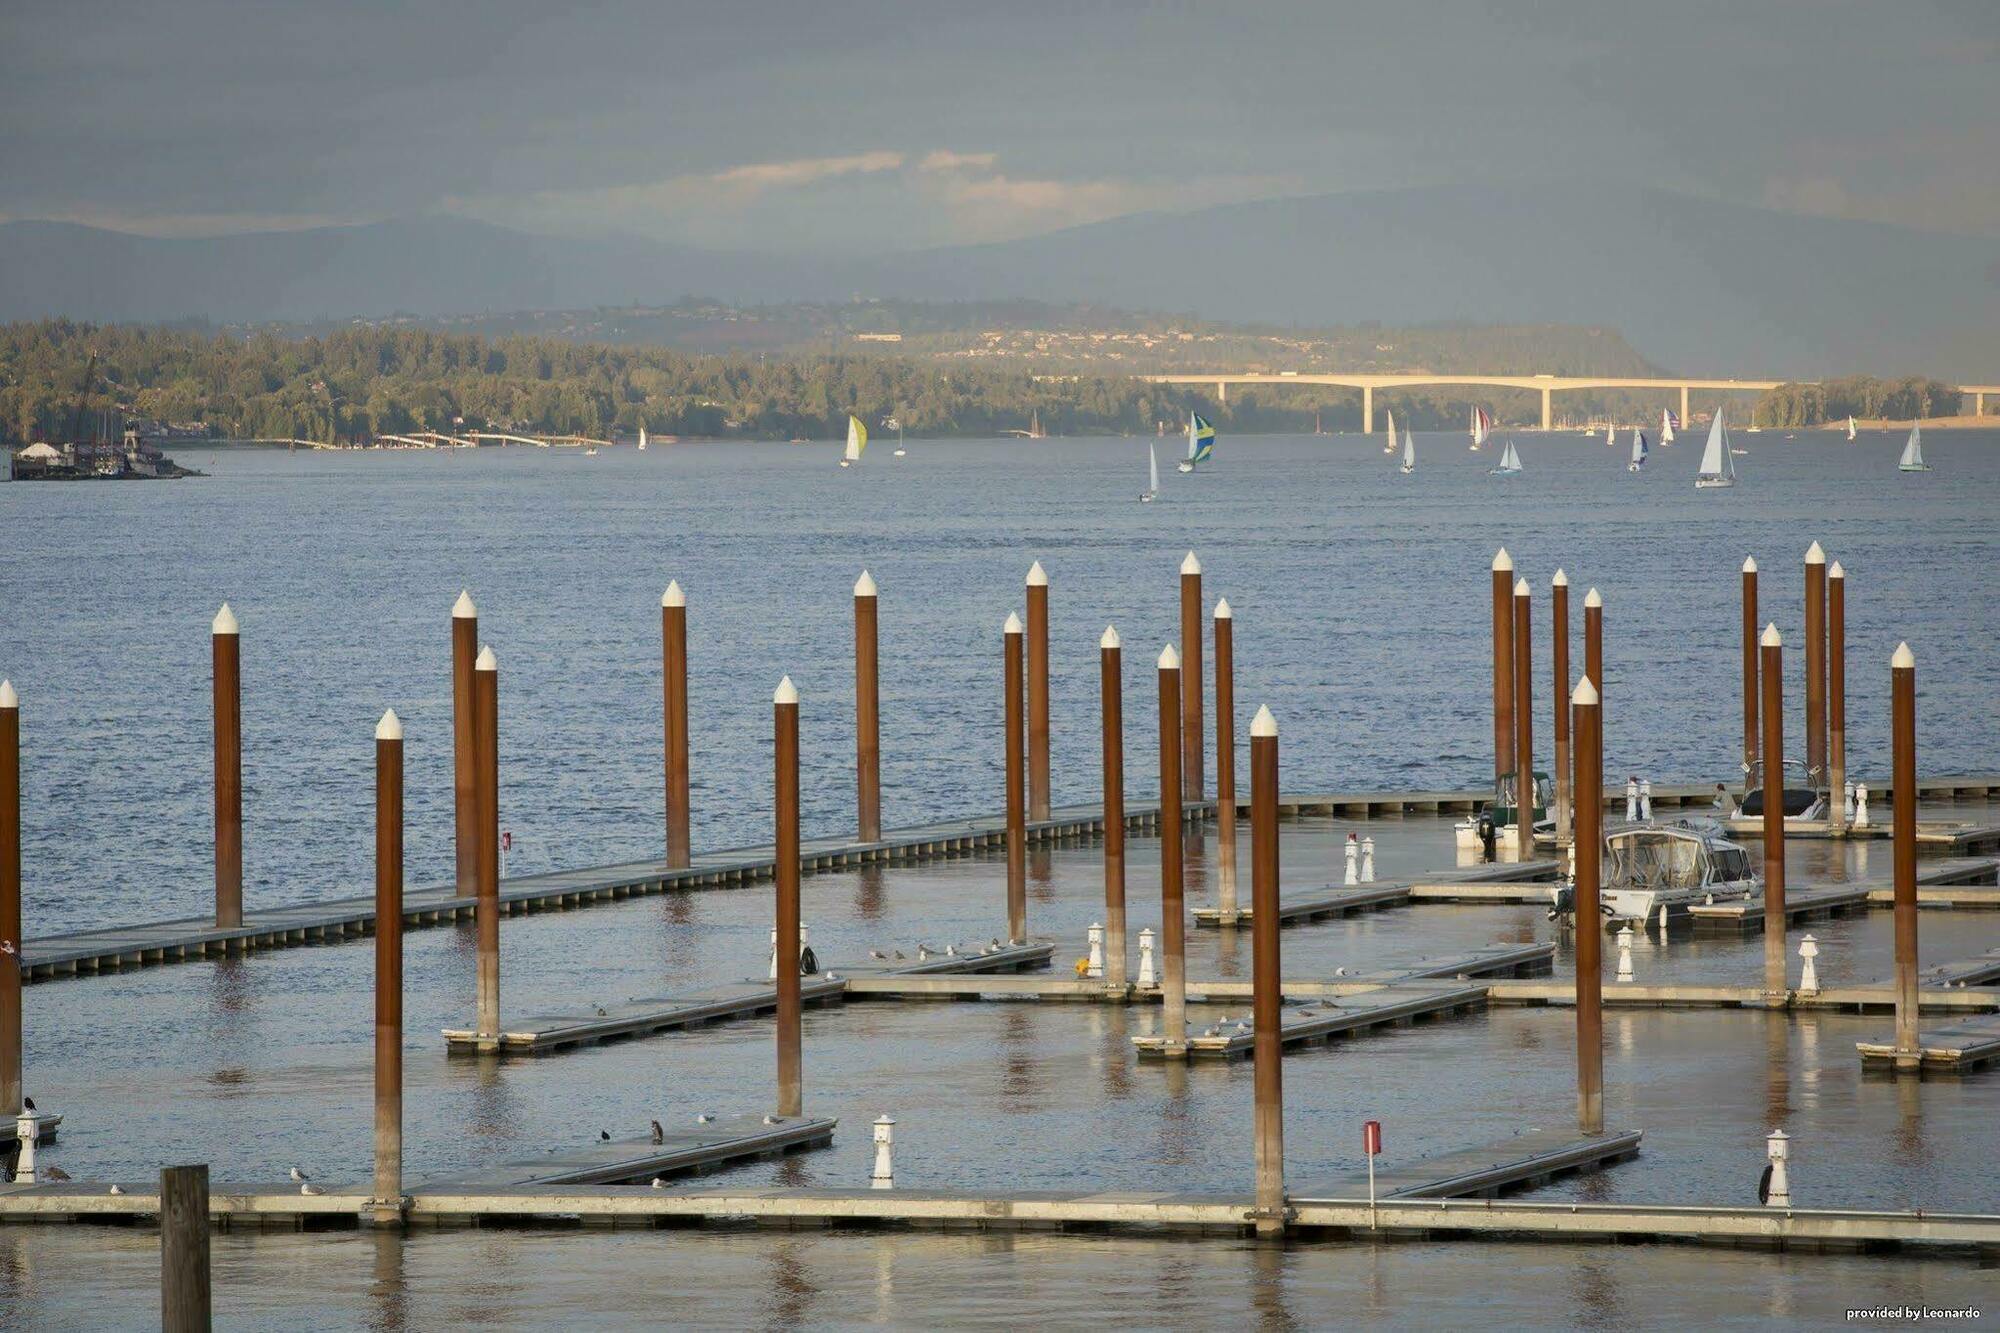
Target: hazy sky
841,126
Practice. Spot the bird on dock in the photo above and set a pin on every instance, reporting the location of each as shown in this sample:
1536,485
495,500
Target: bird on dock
1340,971
659,1134
604,1136
117,1189
899,956
705,1118
27,1103
600,1010
54,1173
995,943
951,951
298,1175
770,1120
1210,1032
310,1189
878,955
659,1183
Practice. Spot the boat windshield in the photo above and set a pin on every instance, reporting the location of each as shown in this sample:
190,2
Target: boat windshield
1653,860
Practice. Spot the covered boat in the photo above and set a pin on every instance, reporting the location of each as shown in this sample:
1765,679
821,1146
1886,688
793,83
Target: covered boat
1651,869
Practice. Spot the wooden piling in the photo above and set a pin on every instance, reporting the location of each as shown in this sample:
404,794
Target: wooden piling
225,652
1815,667
1112,685
1836,696
867,714
464,764
1524,718
486,753
1193,778
1173,911
1752,777
1266,1052
1587,734
1903,796
10,901
1017,821
1038,692
1503,670
1771,670
674,709
1593,654
1559,638
387,1202
184,1282
785,843
1225,757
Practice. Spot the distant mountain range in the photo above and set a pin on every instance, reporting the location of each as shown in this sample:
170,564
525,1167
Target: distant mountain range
1698,285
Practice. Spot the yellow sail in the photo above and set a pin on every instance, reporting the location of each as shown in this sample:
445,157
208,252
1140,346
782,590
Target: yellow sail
857,438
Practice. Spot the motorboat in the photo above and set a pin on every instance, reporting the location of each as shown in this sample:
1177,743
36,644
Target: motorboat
1655,872
1470,832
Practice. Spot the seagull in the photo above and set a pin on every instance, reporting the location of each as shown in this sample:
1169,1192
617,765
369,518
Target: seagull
600,1010
995,943
117,1189
659,1134
951,951
899,955
1340,971
659,1183
310,1189
705,1118
297,1174
878,955
1209,1032
604,1136
55,1173
770,1120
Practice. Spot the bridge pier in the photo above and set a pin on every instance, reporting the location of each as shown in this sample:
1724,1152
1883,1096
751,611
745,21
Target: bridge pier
1979,402
1685,423
1222,391
1547,393
1367,409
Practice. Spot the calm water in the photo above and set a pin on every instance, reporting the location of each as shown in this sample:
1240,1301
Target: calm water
1360,598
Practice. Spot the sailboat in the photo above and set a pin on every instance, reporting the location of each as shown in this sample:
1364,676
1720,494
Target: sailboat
857,440
1718,465
1913,452
897,422
1667,423
1152,491
1510,462
1201,442
1638,451
1850,429
1409,453
1390,447
1481,425
642,439
1611,432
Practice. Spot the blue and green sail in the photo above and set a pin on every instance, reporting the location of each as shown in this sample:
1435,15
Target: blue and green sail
1201,438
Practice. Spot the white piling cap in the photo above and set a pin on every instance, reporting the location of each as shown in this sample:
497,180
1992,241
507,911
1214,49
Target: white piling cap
1190,565
8,699
1592,599
1749,564
1903,660
865,585
1772,639
787,693
1110,639
390,728
1503,563
1561,580
1222,611
1815,556
1834,571
1013,625
1584,693
1170,658
1264,724
224,622
1521,588
1037,576
486,660
673,596
463,609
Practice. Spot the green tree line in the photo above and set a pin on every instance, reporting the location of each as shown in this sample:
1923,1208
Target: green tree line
1857,396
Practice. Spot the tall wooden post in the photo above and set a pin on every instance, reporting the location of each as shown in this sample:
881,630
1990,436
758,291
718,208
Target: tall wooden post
464,760
1112,678
10,900
1836,696
184,1287
486,751
1194,783
1752,776
1017,819
225,646
1038,692
674,689
1268,1077
785,730
1173,913
1503,670
1587,732
1771,668
1524,718
1559,634
1815,667
1903,795
1225,756
867,714
388,1197
1593,654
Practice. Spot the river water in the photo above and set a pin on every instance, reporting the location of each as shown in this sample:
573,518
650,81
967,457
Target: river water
1360,598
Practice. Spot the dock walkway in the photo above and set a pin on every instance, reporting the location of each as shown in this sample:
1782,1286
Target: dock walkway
1504,881
1487,1171
1957,1049
684,1148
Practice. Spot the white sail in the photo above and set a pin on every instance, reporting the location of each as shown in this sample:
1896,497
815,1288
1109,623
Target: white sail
1850,428
1718,465
1390,413
1191,428
857,439
1152,469
1409,451
1666,426
1610,432
1638,449
642,439
1512,459
1913,451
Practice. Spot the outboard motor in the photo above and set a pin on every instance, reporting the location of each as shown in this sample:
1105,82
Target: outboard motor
808,962
1488,835
1562,902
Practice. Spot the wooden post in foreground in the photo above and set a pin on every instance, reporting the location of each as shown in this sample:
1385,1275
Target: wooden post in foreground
1593,660
464,761
1503,670
1225,757
1194,783
867,714
1017,819
674,688
1173,911
1752,777
1112,672
184,1292
1587,733
1268,1075
486,751
1038,692
1836,696
10,901
1524,719
785,733
1903,795
1559,613
1815,667
1771,668
388,1196
226,653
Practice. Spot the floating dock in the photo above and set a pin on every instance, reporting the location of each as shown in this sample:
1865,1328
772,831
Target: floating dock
1321,1022
1957,1049
1965,839
1875,998
1485,1172
1746,915
1505,881
684,1148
